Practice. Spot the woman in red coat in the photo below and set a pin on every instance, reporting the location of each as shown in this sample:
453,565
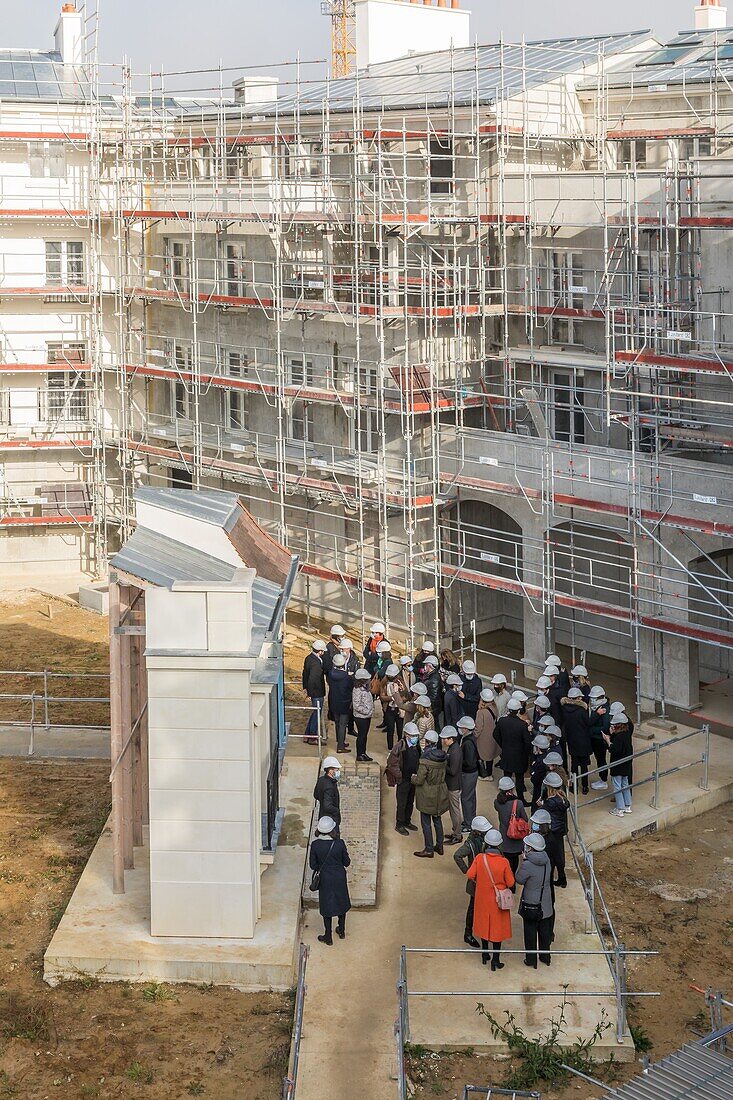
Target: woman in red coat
491,871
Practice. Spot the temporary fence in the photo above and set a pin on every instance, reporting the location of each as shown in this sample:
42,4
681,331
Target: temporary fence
490,1093
658,774
716,1002
309,710
290,1083
41,700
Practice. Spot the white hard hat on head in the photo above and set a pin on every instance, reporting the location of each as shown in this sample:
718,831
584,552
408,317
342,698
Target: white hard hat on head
454,681
431,661
405,661
487,696
378,628
616,708
419,689
338,631
346,643
339,660
514,704
579,670
541,742
393,670
523,698
546,720
469,668
541,817
551,672
535,841
325,825
428,647
553,731
331,762
542,702
506,783
431,737
411,729
383,647
619,720
362,674
480,825
553,659
575,693
597,692
447,732
552,779
319,646
494,839
498,678
466,723
544,682
554,759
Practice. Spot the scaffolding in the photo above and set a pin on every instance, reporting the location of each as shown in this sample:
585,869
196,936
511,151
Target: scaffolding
465,348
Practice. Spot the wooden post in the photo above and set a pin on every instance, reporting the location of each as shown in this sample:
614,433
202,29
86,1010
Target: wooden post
116,741
126,724
136,706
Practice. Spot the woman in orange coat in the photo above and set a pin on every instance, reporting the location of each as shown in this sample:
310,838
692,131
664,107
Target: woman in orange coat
490,923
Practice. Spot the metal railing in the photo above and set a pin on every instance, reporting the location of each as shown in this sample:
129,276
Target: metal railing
290,1083
40,701
658,773
490,1093
720,1033
310,709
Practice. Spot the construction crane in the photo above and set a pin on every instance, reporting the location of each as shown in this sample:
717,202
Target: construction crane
343,35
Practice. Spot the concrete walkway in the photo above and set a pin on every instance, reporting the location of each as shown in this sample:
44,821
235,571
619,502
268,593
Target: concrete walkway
59,743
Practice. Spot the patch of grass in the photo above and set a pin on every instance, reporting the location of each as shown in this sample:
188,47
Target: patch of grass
54,916
7,1088
279,1059
206,987
195,1089
540,1060
25,1018
156,993
414,1050
136,1072
642,1039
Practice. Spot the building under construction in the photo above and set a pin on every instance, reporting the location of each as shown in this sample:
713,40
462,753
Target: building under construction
456,325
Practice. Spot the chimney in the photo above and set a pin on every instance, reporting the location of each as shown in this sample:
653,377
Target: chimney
388,29
256,89
710,15
69,35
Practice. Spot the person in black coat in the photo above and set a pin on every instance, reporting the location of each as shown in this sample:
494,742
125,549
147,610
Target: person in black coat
577,725
340,690
555,801
512,735
452,702
600,723
555,693
326,791
621,746
472,688
434,684
314,685
329,856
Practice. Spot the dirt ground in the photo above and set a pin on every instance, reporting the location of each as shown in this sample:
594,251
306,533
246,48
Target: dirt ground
671,892
38,632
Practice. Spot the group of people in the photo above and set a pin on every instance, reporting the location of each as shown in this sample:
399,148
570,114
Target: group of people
446,731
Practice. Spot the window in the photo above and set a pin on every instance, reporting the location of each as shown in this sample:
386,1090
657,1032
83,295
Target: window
236,411
300,372
692,147
47,159
66,397
179,264
67,354
631,153
301,422
236,280
568,410
671,54
238,163
64,263
441,166
181,396
366,437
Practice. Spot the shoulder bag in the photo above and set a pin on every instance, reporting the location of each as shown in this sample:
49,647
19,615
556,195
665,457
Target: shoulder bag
504,896
316,876
533,910
518,827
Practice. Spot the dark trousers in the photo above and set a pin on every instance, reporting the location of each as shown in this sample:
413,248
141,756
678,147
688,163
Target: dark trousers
362,732
579,765
555,847
512,859
428,823
600,751
485,950
468,796
328,925
469,914
393,721
314,722
405,802
342,722
518,778
537,933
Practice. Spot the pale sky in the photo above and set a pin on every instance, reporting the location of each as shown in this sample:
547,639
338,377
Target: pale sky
187,34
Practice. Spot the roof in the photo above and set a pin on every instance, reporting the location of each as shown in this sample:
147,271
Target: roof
688,58
209,505
162,561
442,77
33,74
694,1071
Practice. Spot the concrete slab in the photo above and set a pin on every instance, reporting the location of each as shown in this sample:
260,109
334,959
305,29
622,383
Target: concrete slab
108,935
58,743
95,597
680,794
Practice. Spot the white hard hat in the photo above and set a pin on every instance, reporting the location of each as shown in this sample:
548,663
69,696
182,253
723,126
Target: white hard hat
325,825
541,817
339,660
447,732
384,647
494,839
480,825
544,682
362,674
553,659
419,689
514,704
520,695
541,742
405,661
575,693
469,668
454,681
466,723
553,758
432,661
337,630
319,646
411,729
487,696
378,628
428,647
616,708
552,779
499,678
597,692
331,762
431,737
579,670
346,643
535,841
619,720
551,672
542,702
393,670
553,731
546,720
506,783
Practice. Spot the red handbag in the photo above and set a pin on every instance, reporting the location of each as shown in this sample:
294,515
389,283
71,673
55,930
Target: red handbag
519,827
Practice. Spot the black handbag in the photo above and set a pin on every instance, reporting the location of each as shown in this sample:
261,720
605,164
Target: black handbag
316,876
532,911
